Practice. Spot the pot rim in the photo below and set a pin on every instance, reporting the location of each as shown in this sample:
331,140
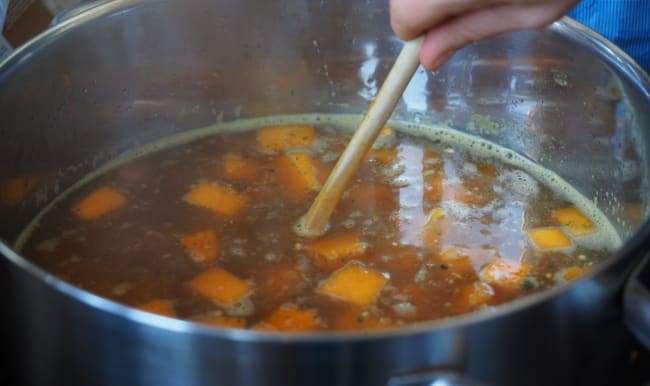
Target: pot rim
566,27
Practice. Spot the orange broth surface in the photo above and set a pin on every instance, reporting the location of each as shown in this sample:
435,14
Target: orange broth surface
203,232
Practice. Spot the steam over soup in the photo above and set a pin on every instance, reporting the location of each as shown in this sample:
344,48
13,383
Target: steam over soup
434,224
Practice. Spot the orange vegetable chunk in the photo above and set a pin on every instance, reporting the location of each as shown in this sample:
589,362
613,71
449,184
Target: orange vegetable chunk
217,198
221,286
457,260
435,215
549,238
290,318
505,273
434,227
202,245
576,223
235,167
354,283
297,174
98,203
278,138
573,273
338,247
158,306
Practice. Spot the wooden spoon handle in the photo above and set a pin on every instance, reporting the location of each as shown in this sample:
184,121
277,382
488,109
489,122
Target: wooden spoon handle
314,223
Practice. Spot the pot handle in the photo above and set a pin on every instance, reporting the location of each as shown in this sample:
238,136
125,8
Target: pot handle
434,378
74,10
636,303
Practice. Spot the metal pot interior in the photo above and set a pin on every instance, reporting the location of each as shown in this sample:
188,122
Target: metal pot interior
127,73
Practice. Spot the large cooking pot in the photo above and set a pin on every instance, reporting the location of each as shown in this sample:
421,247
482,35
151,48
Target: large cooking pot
127,72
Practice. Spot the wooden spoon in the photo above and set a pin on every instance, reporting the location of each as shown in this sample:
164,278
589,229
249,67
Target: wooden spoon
315,222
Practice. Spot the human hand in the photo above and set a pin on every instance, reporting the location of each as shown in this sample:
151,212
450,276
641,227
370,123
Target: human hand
449,25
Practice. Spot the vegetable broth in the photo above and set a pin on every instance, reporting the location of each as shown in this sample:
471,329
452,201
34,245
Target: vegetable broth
434,224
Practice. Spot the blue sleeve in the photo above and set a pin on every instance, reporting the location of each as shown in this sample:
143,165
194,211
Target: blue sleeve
624,22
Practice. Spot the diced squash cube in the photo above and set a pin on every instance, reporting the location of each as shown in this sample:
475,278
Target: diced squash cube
354,283
98,203
505,273
223,321
217,198
297,175
456,260
335,249
290,318
278,138
237,168
451,254
221,286
434,227
202,245
158,306
573,273
435,215
549,238
360,319
576,223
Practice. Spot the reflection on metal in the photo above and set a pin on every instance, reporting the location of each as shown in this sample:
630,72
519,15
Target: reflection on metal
411,195
181,57
416,95
367,72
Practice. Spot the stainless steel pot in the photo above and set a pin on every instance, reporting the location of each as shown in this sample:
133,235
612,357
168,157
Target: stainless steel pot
128,72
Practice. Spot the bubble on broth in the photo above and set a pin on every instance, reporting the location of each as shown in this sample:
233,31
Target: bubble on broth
519,182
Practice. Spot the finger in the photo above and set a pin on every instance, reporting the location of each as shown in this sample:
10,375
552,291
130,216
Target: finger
442,59
410,18
462,30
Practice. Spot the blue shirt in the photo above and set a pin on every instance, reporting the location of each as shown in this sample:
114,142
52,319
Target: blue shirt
624,22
